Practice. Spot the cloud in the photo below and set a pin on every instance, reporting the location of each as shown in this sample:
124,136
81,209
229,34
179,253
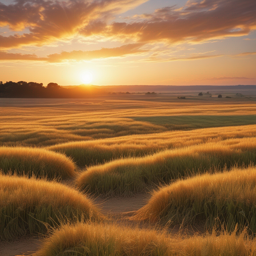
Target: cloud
76,55
246,54
50,20
5,56
195,57
198,21
98,54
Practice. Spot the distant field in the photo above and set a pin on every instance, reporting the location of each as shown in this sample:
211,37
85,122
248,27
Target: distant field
69,168
45,122
193,122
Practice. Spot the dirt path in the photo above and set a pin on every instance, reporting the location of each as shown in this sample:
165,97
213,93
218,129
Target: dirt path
24,246
118,205
117,209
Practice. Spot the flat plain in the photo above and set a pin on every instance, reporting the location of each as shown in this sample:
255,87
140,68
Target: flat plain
128,174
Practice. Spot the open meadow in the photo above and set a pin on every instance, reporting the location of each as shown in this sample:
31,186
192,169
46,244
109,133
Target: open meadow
128,175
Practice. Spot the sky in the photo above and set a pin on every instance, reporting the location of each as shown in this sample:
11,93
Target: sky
128,42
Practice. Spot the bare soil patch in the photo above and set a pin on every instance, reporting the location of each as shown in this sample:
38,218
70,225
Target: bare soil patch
24,246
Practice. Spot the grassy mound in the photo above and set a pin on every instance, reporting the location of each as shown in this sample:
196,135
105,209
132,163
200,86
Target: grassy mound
227,199
111,240
27,206
37,162
134,175
86,153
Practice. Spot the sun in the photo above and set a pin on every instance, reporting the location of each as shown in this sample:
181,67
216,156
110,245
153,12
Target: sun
86,77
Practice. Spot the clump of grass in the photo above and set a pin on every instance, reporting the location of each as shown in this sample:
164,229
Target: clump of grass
113,240
227,199
134,175
37,162
92,152
29,206
86,153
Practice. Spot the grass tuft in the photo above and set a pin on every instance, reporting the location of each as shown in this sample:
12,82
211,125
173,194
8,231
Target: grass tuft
112,240
37,162
29,206
224,199
135,175
87,153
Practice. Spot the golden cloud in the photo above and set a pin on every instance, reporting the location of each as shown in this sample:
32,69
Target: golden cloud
76,55
52,20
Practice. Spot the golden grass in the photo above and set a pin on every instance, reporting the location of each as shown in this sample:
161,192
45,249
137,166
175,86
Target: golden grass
133,175
48,122
29,206
86,153
37,162
227,199
112,240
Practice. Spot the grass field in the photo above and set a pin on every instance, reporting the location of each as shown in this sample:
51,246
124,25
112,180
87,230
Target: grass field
129,175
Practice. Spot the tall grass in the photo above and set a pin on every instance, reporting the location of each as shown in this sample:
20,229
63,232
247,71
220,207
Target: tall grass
29,206
37,162
86,153
112,240
227,199
134,175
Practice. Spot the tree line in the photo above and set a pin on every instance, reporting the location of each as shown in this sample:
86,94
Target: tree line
24,89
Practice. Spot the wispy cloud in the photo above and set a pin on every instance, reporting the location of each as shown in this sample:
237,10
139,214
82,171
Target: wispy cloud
195,57
76,55
246,54
97,54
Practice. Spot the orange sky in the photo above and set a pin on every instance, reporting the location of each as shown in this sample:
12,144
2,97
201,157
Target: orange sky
126,42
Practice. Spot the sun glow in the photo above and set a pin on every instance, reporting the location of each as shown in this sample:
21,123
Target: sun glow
87,77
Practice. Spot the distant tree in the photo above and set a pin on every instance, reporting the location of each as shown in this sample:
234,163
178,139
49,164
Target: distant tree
22,83
228,97
182,98
53,86
200,94
127,93
219,96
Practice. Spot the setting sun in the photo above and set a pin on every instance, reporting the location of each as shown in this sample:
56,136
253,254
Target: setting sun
86,77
